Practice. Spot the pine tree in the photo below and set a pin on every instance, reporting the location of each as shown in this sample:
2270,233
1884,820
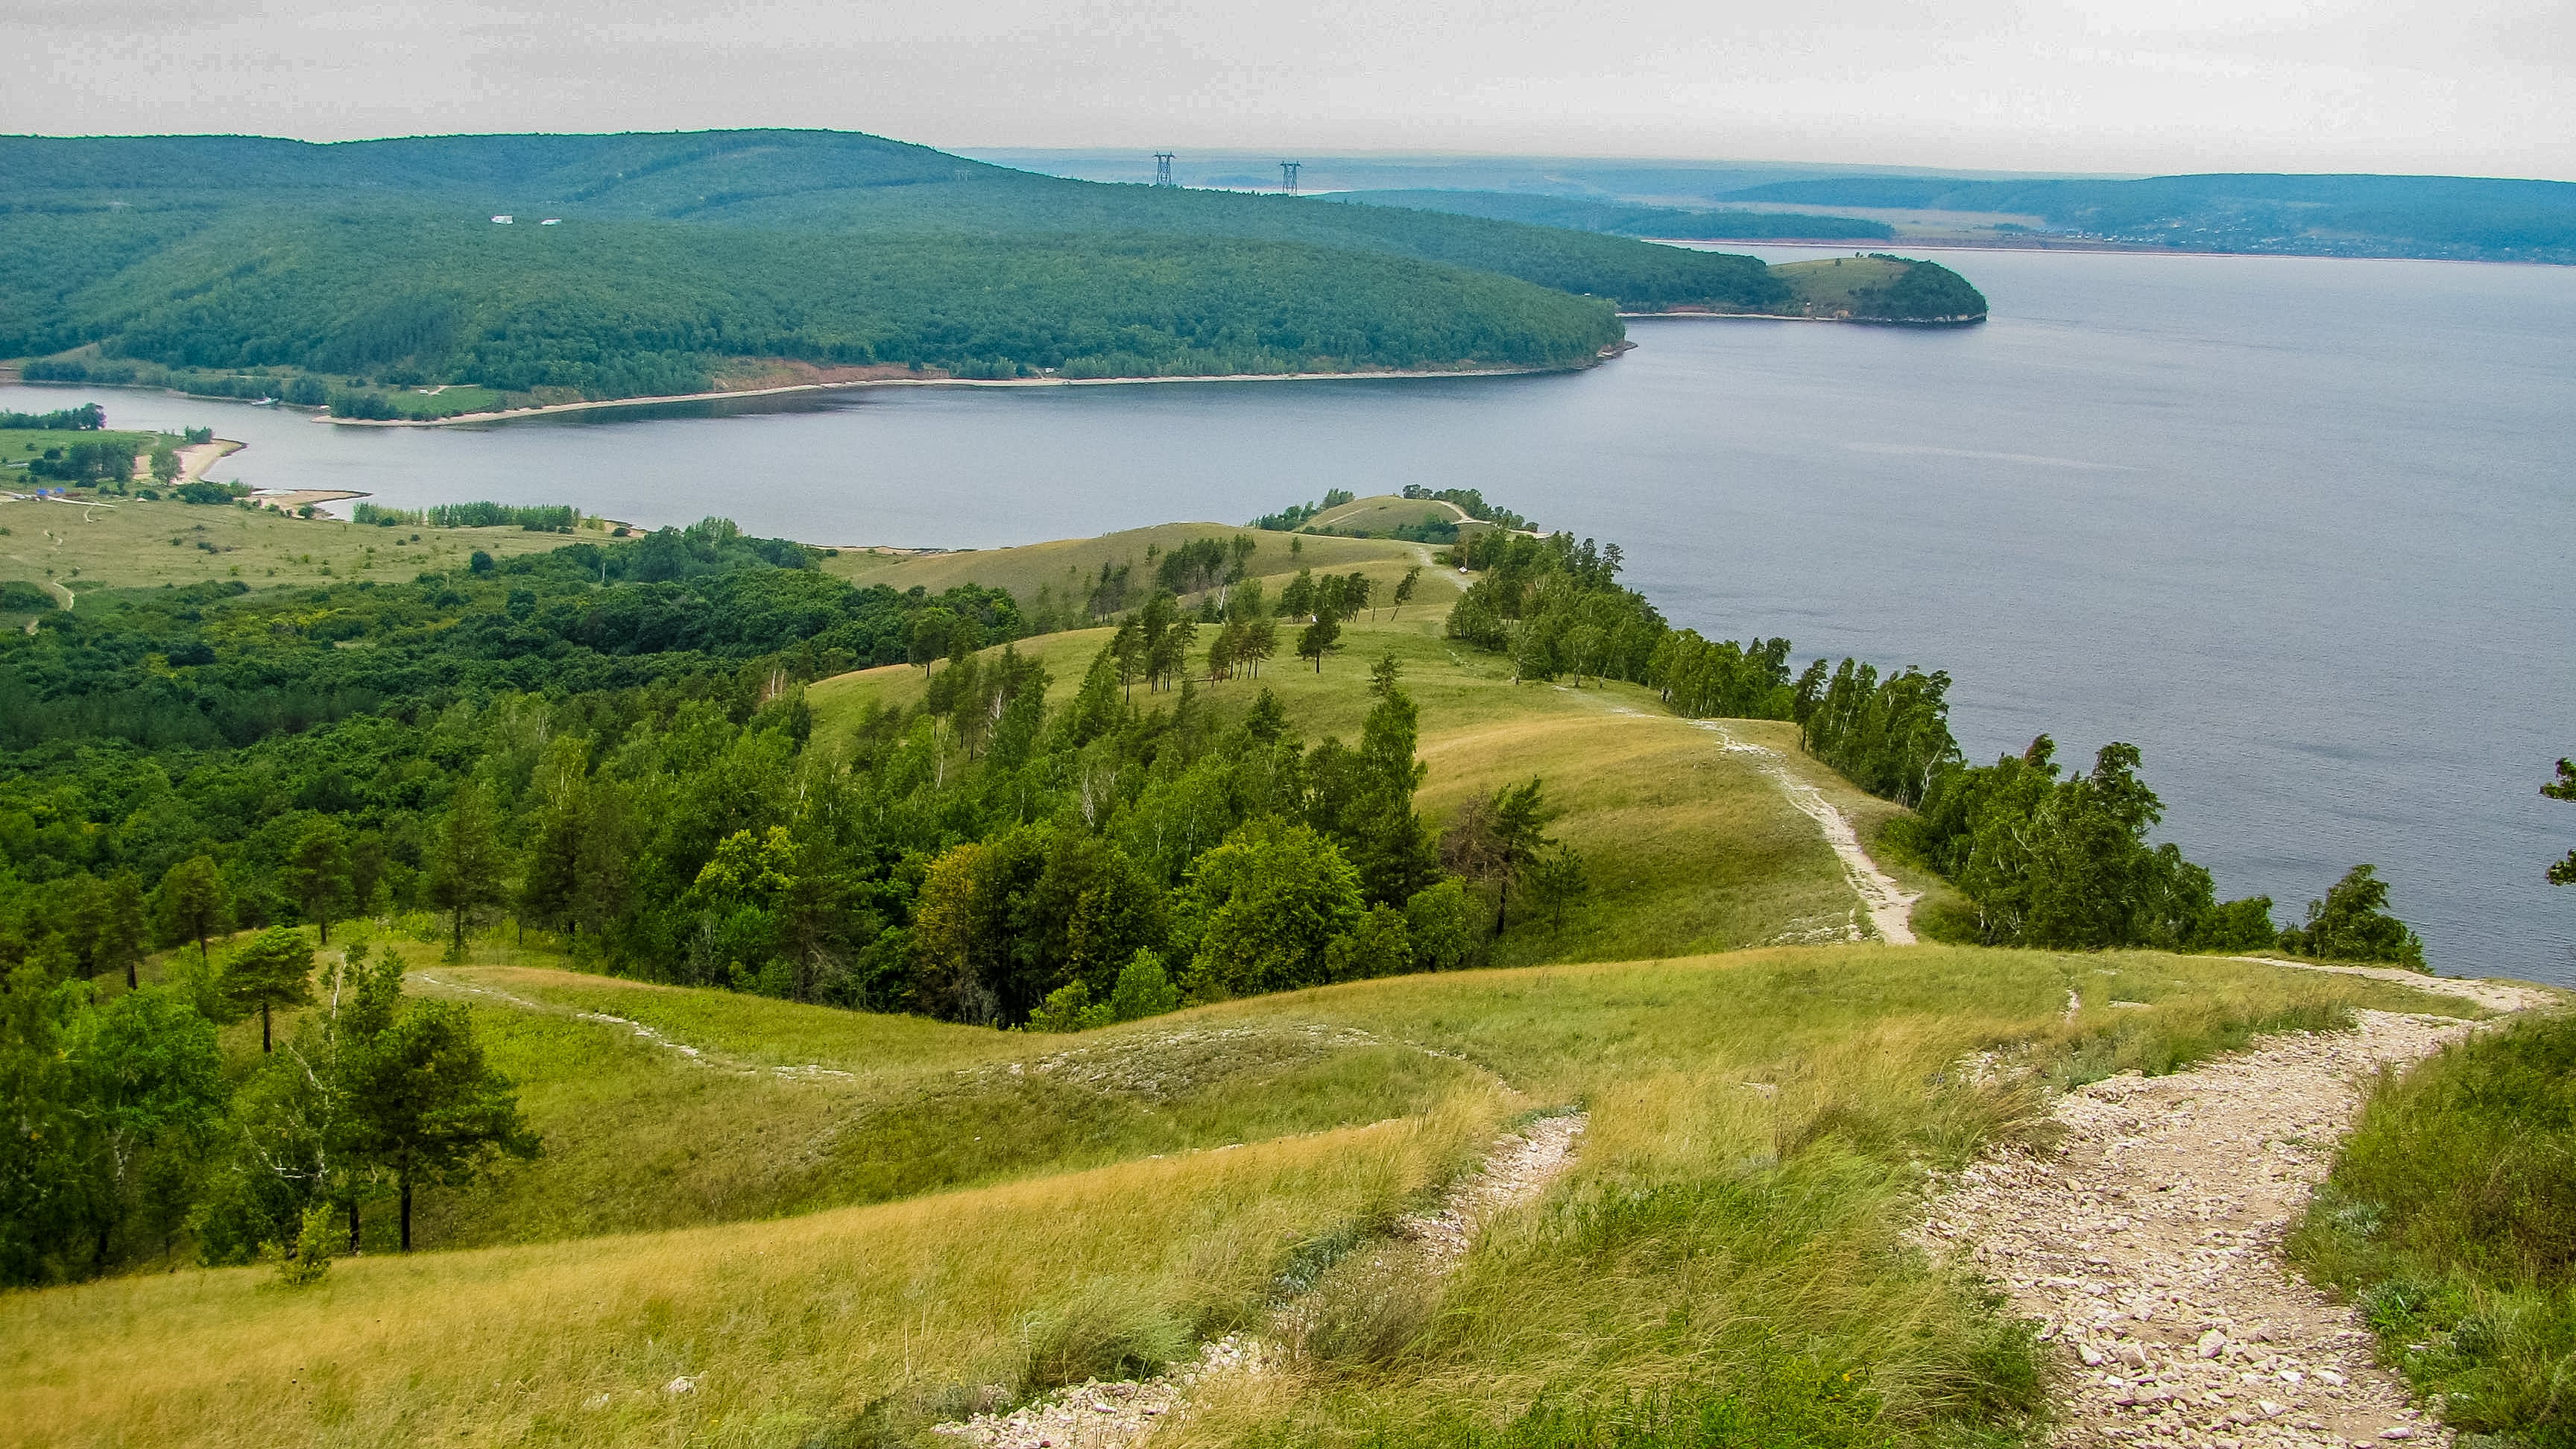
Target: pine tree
317,873
464,861
426,1108
270,969
194,904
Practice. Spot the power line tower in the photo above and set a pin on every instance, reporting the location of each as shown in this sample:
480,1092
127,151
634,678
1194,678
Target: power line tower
1162,168
1288,176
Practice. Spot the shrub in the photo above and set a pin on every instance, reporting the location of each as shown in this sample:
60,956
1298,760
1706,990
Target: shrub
1070,1008
310,1257
1144,989
1446,927
1379,945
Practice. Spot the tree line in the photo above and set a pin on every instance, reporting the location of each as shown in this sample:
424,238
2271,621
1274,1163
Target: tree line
87,418
538,518
2046,858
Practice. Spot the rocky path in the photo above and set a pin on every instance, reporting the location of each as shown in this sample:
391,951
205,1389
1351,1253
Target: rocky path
2148,1245
1516,1170
1890,905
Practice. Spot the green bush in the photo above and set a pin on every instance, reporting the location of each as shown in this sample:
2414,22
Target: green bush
1144,989
2451,1217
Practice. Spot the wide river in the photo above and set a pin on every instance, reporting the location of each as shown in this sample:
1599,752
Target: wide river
2300,529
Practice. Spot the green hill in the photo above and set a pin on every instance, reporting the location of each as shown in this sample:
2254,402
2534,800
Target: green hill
646,264
1879,287
744,865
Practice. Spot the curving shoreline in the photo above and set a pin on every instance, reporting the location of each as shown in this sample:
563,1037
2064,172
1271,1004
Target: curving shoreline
1376,375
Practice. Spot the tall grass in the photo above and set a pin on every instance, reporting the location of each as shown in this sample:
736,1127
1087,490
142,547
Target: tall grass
2451,1215
812,1330
1724,1263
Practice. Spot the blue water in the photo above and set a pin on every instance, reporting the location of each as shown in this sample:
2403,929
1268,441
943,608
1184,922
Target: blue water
2301,529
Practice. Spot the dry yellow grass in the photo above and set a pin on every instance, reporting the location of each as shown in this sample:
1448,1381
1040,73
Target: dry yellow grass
1747,1169
786,1330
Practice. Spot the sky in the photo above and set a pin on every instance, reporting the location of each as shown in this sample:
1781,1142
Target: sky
2462,86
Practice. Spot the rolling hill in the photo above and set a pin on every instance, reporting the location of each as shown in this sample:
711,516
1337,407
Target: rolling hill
766,1222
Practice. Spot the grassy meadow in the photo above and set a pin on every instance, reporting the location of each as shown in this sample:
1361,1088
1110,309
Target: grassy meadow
1065,567
1760,1123
1381,514
131,543
1833,283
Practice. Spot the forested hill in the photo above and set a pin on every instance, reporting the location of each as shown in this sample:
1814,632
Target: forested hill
673,261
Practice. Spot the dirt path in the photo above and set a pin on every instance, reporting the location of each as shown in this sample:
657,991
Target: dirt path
1890,905
2148,1244
1516,1170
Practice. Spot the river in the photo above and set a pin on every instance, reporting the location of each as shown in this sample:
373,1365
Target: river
2300,529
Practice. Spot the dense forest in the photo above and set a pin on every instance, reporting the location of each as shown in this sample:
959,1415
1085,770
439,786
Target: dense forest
640,265
632,309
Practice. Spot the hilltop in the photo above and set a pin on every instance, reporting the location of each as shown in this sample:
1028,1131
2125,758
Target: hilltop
550,269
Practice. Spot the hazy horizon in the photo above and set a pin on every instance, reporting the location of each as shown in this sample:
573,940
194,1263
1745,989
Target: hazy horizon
2086,87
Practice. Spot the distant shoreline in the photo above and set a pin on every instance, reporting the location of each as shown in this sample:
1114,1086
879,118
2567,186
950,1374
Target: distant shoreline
1382,374
1802,317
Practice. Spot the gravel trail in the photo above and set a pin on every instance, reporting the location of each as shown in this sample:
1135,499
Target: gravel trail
1891,906
2148,1244
1516,1170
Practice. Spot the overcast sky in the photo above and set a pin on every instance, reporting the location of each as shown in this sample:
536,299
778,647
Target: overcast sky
2465,86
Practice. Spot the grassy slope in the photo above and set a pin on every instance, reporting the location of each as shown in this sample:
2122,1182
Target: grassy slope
1785,1199
1381,513
134,544
1066,565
